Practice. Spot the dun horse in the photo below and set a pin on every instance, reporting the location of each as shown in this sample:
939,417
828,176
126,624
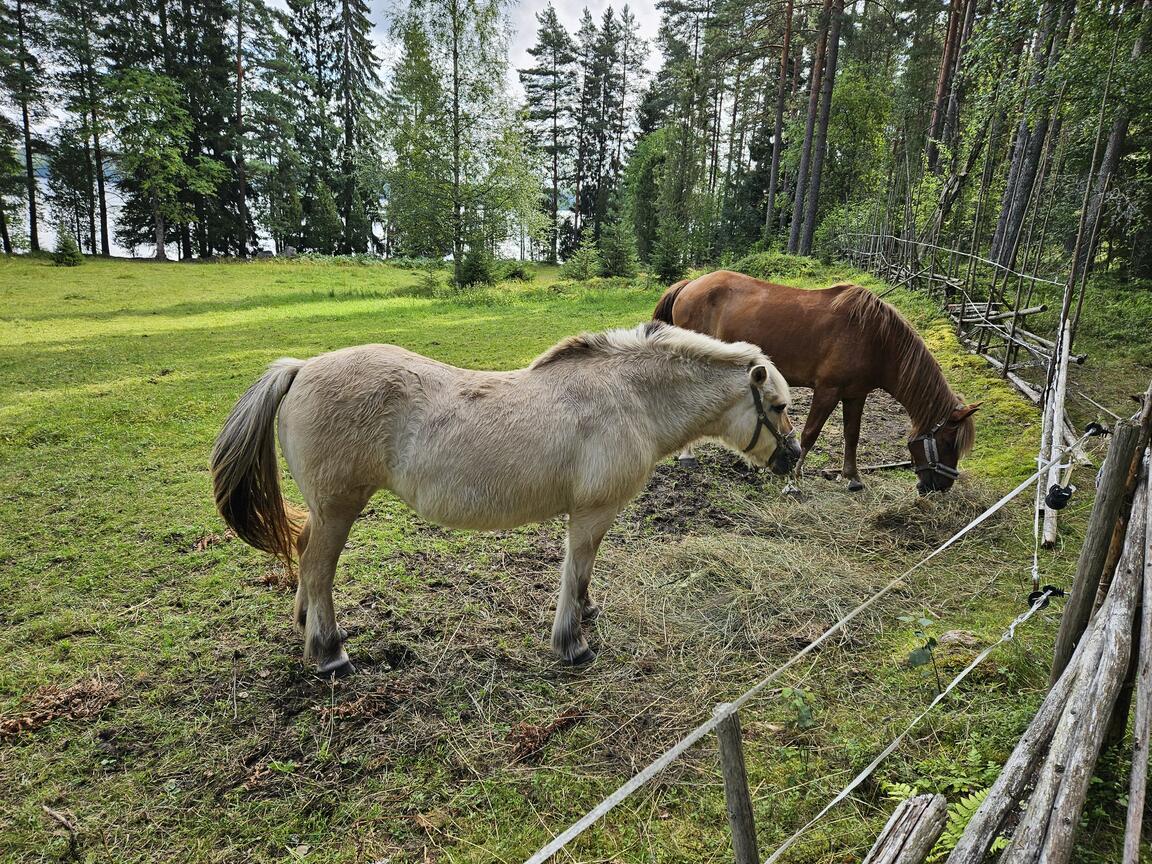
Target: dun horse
843,342
578,432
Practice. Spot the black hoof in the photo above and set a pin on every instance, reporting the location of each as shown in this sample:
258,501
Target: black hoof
582,659
855,486
336,669
689,463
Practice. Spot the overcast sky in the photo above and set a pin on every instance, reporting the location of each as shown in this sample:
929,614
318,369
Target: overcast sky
523,24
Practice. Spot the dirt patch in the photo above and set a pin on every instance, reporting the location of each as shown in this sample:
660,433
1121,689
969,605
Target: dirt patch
51,702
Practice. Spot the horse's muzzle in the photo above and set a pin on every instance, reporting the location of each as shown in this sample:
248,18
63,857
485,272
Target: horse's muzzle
786,456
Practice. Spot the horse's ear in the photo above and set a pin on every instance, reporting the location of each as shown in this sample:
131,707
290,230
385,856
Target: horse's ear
961,414
758,374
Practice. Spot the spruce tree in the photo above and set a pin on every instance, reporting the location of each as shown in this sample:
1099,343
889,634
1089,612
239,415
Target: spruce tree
618,248
356,106
549,88
324,231
584,264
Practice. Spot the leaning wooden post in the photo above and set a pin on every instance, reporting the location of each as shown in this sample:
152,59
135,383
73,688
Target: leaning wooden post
911,832
1056,447
1097,537
1142,726
736,794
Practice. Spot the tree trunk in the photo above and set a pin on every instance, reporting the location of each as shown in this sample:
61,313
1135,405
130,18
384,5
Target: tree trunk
778,128
554,246
809,128
25,115
242,192
956,14
5,240
457,134
821,142
160,233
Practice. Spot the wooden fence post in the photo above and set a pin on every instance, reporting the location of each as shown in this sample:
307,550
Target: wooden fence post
1097,538
736,794
911,832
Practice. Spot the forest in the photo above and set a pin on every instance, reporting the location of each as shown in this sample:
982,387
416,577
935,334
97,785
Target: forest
223,127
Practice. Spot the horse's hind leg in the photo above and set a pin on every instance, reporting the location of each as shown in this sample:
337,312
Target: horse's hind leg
585,531
328,532
853,414
300,612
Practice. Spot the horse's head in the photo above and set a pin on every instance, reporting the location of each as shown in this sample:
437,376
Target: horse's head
936,451
758,424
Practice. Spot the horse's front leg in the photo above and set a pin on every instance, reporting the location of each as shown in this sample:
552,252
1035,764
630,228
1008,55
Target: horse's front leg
585,531
853,414
823,402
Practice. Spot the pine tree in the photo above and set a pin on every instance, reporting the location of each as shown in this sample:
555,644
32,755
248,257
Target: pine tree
357,107
618,249
11,181
549,89
70,197
23,38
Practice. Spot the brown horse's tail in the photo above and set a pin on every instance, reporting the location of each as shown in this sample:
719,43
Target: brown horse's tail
245,473
664,307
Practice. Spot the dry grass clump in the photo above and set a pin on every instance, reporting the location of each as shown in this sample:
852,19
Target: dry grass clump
51,702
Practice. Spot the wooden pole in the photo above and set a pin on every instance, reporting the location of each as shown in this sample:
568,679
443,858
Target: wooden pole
736,795
911,832
1142,726
1056,447
1047,833
1097,537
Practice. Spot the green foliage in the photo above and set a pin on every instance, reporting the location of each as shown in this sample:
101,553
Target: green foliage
618,250
585,263
776,266
802,706
670,254
923,655
324,231
517,271
67,253
959,815
478,267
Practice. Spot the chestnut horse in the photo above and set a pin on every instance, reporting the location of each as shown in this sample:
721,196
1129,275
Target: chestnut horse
843,342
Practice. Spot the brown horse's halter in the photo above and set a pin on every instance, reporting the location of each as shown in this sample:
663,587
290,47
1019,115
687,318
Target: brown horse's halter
931,461
762,422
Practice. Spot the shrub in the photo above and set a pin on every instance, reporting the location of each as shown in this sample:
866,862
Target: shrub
67,253
518,271
773,266
585,261
477,268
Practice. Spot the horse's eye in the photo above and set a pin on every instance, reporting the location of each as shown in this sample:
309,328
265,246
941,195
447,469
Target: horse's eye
779,409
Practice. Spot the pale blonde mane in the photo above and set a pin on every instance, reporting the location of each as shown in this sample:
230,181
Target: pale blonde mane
922,387
650,338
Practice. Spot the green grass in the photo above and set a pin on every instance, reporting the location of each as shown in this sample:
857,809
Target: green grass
115,378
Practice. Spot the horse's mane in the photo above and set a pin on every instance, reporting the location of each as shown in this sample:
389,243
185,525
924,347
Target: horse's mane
653,336
922,385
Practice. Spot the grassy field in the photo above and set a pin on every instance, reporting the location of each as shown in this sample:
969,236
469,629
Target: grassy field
194,733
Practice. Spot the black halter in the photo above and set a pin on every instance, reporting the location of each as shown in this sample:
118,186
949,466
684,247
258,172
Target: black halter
931,461
762,422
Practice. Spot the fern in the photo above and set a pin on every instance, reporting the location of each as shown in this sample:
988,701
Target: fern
959,815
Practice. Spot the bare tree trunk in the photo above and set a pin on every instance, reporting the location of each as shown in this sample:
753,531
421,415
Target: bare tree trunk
814,83
820,144
160,230
956,13
777,132
5,240
242,198
457,135
25,116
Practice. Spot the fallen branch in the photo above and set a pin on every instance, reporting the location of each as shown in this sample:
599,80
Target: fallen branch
911,832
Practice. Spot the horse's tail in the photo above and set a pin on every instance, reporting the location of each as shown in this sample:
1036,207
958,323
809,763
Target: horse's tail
664,307
245,473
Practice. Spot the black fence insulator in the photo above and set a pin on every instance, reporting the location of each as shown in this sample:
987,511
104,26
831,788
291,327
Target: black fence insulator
1094,429
1050,590
1058,496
